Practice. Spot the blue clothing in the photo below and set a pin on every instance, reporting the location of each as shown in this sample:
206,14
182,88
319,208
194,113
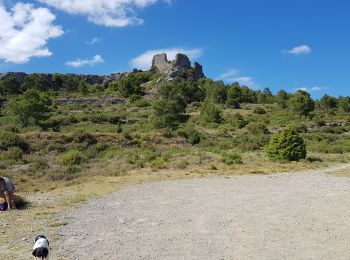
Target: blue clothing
3,206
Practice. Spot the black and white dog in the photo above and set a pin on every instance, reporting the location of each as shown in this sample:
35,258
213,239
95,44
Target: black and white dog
41,247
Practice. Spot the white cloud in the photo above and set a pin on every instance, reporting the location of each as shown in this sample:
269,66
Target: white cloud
229,75
25,31
316,89
144,61
299,50
246,81
313,89
78,63
93,41
111,13
233,75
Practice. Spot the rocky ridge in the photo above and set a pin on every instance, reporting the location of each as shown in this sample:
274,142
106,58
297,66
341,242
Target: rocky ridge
89,79
180,67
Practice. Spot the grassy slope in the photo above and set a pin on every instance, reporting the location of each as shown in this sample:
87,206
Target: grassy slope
134,153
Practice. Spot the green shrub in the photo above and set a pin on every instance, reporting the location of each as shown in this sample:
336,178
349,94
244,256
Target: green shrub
141,102
319,121
183,164
133,98
38,165
237,120
158,163
259,111
131,84
168,113
248,142
286,145
13,154
333,129
72,157
32,106
10,139
257,128
71,170
210,113
191,134
298,127
231,158
83,137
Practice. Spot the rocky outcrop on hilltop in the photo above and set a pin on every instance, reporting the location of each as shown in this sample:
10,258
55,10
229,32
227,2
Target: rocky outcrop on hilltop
180,67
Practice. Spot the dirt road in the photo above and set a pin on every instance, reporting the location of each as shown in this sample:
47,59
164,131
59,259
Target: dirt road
285,216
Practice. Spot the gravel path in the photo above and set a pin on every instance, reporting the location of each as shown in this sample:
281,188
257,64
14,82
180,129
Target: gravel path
283,216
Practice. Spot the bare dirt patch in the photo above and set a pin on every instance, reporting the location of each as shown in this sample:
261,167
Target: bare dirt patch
283,216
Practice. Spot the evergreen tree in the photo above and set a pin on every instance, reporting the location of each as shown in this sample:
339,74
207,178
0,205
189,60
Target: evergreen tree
286,145
301,103
32,106
282,98
328,102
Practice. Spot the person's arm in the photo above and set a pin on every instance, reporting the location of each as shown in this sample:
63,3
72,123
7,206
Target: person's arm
8,199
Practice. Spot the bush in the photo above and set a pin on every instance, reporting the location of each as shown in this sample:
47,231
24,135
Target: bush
231,158
247,142
158,163
333,129
238,120
10,139
299,128
210,113
32,106
259,111
183,164
286,145
168,113
132,84
83,137
191,134
257,128
72,157
13,154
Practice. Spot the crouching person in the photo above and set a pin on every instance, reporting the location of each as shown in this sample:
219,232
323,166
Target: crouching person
7,190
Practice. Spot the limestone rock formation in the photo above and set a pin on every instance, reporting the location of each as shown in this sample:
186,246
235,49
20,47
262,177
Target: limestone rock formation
180,67
161,64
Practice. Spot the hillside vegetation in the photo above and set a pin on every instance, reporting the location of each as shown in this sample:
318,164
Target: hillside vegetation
54,133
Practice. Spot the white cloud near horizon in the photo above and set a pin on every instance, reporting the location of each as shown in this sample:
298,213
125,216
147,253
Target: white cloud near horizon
110,13
299,50
144,61
25,31
233,75
79,63
313,89
229,75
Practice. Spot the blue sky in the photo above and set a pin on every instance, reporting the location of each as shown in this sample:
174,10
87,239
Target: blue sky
287,44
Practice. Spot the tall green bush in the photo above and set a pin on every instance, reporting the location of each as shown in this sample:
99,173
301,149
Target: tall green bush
286,145
210,113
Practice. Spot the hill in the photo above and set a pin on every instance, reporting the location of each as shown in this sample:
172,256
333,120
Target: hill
64,127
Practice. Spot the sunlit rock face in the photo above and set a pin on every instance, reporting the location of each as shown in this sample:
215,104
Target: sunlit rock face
180,67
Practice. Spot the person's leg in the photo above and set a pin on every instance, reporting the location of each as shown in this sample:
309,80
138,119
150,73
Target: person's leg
12,199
